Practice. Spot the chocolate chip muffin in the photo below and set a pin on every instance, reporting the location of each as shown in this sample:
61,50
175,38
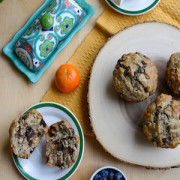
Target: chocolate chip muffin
26,133
161,122
173,73
61,145
135,77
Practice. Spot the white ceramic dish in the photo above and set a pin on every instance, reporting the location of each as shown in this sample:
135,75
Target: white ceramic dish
35,167
117,124
133,7
107,167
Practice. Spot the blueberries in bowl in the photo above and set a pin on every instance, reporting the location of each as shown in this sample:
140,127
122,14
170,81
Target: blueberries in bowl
108,173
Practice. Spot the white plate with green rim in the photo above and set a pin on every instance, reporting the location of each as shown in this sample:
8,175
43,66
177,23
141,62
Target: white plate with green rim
133,7
35,167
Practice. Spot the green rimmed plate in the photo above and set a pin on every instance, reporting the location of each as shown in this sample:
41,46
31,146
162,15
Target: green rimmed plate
133,8
35,167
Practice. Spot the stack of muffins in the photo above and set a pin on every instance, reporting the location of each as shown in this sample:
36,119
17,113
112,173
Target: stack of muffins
135,78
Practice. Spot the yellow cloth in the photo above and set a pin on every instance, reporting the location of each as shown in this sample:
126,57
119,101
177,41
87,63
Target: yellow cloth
110,22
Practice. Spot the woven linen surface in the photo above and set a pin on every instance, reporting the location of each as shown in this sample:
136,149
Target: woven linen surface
109,22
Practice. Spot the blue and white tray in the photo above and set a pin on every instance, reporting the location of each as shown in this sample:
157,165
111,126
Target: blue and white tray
10,47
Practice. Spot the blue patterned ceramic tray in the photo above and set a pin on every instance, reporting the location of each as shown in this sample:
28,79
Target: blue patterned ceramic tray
46,33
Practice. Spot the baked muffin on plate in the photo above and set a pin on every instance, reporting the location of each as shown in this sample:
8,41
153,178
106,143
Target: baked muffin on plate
161,122
26,133
135,77
61,145
173,73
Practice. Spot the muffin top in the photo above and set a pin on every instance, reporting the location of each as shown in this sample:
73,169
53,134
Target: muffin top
173,73
135,77
161,122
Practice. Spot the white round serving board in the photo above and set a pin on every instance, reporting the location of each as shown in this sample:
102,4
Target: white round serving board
133,7
116,123
35,167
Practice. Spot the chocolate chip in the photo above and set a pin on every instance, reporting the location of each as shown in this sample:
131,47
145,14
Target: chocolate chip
70,150
42,123
60,147
60,164
120,60
126,72
146,89
29,133
119,63
146,57
51,134
158,109
24,117
52,128
57,141
51,131
30,143
32,150
137,53
166,140
168,128
19,134
142,69
19,129
135,75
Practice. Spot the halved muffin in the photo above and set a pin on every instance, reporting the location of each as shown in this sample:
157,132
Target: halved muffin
26,133
61,145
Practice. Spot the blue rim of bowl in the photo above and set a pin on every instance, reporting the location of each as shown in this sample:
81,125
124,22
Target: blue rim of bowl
81,140
107,167
133,13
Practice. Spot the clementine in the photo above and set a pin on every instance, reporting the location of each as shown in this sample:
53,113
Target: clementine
67,78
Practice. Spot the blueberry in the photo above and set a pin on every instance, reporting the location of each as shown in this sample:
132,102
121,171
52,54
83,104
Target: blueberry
118,176
97,176
111,175
103,178
104,173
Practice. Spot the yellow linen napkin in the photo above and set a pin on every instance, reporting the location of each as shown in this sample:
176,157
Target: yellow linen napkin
110,22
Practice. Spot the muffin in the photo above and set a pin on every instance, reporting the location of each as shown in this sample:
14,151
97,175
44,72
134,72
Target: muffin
135,77
61,145
26,133
173,73
161,122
